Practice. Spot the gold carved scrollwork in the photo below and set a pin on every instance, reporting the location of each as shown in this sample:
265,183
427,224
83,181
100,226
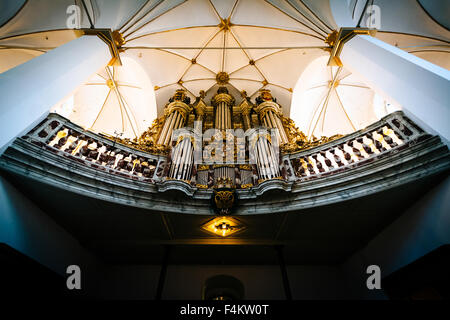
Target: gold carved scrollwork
224,199
298,140
245,167
147,141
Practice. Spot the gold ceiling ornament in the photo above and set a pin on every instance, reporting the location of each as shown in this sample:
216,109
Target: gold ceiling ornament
110,83
331,38
225,24
338,39
118,38
333,84
222,78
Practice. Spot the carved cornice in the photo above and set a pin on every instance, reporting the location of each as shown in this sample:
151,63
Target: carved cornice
180,106
222,97
263,107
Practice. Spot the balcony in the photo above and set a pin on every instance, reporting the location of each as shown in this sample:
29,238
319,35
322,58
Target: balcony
388,153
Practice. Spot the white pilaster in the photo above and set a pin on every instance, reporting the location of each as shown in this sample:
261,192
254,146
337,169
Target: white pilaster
29,90
420,87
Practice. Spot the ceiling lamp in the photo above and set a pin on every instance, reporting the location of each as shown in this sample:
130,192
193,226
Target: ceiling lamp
223,226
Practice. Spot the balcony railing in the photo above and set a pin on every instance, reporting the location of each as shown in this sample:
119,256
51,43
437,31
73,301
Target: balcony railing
391,134
59,135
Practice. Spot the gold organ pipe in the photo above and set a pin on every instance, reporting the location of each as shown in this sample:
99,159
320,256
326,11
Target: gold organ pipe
162,135
274,125
263,158
286,140
169,127
186,157
169,132
181,157
175,160
217,118
269,157
223,114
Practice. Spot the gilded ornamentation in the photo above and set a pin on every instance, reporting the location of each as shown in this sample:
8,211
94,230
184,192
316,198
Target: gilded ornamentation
180,95
222,96
224,200
332,38
147,141
298,140
264,96
223,165
222,78
224,182
118,39
203,167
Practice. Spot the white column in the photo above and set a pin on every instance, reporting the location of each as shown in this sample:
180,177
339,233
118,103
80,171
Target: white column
29,90
420,87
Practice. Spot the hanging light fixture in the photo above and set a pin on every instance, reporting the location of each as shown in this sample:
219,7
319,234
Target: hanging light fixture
223,226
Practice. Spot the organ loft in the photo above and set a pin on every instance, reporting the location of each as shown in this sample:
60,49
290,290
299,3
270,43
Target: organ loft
223,144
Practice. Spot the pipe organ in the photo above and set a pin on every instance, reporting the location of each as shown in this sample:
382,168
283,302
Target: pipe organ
262,165
244,143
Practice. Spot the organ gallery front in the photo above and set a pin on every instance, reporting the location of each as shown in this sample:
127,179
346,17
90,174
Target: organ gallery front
223,149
